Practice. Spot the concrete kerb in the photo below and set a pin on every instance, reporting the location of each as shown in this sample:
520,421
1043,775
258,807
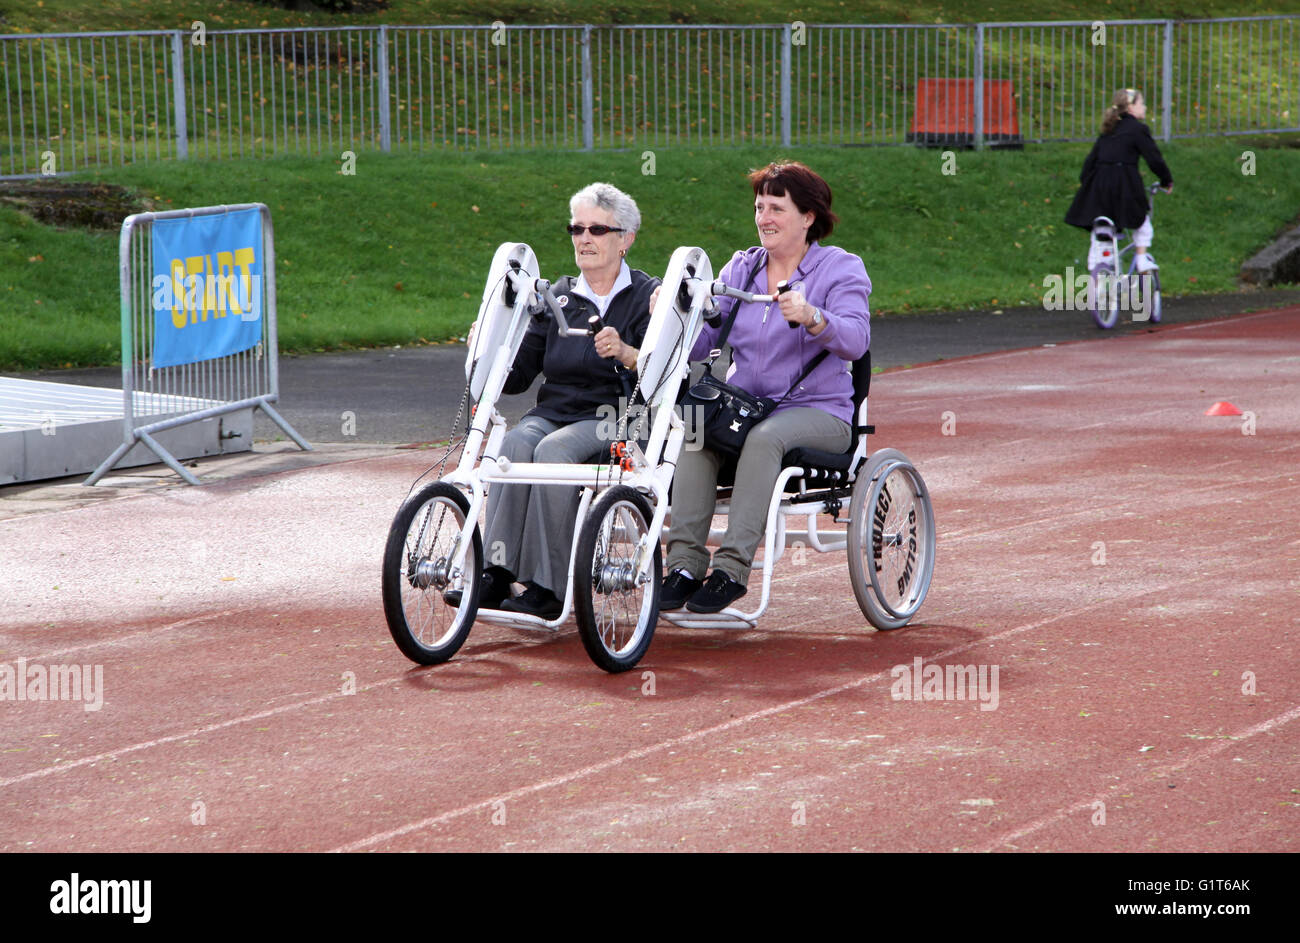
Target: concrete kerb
1277,263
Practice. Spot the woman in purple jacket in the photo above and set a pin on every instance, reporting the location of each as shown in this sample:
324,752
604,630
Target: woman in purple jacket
828,306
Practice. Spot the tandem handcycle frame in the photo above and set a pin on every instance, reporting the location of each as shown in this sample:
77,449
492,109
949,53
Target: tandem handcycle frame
435,545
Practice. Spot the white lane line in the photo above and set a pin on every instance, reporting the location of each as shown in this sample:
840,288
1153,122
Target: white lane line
260,715
642,752
1146,775
143,632
186,735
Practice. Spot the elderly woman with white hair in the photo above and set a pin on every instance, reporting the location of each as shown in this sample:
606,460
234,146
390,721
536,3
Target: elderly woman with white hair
530,527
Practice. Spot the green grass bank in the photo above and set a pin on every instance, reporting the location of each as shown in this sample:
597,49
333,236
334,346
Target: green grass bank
397,252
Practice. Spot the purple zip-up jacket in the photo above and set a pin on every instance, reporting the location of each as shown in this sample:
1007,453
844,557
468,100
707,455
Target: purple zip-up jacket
767,355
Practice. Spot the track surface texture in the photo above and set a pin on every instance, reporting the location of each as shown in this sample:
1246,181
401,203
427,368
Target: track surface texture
1128,565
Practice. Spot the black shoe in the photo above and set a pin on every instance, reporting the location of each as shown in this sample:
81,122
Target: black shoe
535,601
495,590
718,592
676,589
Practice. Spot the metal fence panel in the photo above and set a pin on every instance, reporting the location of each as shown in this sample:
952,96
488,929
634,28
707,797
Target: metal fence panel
78,100
665,86
857,85
1064,75
73,100
259,93
485,87
1236,76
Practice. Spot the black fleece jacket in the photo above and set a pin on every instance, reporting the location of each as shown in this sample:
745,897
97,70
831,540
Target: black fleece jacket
577,381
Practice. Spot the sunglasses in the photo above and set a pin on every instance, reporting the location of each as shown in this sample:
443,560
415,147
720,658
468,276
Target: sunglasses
597,230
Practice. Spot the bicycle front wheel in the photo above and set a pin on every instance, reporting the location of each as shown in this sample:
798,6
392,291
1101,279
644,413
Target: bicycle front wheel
418,574
616,614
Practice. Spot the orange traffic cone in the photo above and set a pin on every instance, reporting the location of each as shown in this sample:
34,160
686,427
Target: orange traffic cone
1223,408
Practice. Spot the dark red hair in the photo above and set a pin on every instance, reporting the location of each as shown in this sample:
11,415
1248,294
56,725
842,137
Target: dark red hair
806,189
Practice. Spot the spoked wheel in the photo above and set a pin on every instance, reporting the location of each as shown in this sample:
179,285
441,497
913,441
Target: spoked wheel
891,539
1103,301
616,613
417,575
1146,295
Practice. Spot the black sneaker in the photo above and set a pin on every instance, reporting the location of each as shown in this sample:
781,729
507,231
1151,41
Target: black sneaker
494,591
676,589
718,592
535,601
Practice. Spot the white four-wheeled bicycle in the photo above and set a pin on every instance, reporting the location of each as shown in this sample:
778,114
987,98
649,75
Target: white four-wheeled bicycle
435,546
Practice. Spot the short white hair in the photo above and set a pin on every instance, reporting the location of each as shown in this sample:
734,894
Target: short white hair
606,196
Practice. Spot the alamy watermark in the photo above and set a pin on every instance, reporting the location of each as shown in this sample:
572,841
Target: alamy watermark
24,682
921,682
80,896
1079,292
640,420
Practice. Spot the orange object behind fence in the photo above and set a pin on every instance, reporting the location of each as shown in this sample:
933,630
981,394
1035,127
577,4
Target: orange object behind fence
945,114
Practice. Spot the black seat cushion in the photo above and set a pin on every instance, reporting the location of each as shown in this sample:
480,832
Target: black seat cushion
832,467
815,458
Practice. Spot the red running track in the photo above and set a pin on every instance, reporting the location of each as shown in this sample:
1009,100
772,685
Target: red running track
232,620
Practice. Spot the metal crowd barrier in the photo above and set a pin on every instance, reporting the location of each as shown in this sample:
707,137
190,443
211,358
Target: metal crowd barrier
158,398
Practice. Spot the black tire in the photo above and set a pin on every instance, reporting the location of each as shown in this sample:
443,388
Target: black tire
425,627
1103,298
891,539
1149,283
616,618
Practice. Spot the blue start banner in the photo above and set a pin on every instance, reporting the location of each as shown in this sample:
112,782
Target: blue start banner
206,286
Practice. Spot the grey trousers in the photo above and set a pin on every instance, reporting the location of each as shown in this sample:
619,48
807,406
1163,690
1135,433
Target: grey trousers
695,487
530,527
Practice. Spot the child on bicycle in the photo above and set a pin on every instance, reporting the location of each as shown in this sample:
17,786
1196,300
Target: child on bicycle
1111,184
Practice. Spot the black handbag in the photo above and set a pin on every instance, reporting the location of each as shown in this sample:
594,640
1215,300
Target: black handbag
720,415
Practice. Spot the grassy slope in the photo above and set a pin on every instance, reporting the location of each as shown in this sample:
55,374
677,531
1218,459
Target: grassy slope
68,15
397,253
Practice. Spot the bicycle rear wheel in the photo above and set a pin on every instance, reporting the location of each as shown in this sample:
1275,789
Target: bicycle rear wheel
1146,296
1103,297
891,539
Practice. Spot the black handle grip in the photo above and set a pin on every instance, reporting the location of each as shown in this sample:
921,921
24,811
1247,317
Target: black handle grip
712,314
510,296
595,325
781,288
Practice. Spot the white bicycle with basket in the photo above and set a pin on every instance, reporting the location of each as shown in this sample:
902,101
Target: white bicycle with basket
435,546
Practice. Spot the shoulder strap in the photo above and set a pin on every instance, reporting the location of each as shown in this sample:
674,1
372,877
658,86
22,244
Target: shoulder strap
812,365
735,310
731,319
